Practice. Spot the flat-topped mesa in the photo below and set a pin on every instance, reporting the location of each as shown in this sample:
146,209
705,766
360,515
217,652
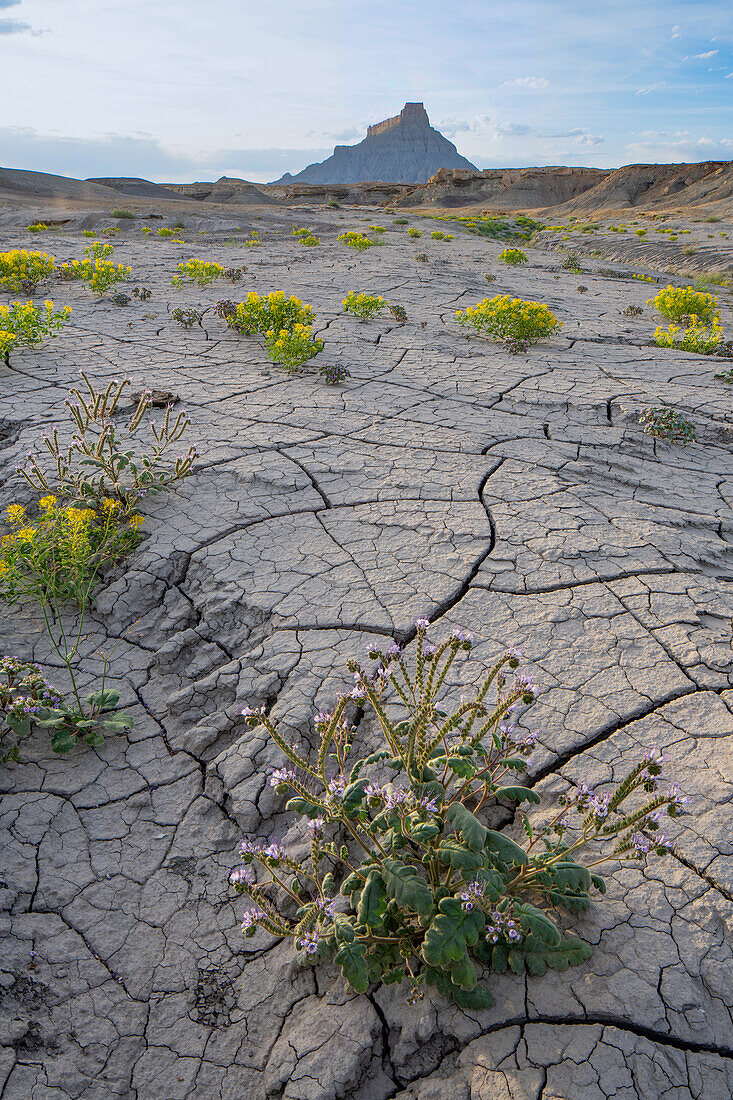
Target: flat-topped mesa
402,149
411,112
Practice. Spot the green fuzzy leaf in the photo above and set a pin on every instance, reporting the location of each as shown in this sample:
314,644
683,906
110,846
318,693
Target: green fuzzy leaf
351,883
62,741
449,934
455,854
504,848
300,805
459,765
467,825
463,972
516,763
518,794
20,725
119,722
572,875
372,902
354,796
103,700
403,883
424,831
538,923
537,957
350,957
599,883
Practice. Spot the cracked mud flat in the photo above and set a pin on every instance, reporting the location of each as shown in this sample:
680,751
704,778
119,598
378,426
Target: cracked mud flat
514,495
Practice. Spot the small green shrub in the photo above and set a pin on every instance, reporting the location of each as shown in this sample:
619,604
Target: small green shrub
364,305
88,233
517,323
632,311
398,312
187,317
666,423
404,881
105,460
422,257
332,375
400,221
513,256
377,229
122,213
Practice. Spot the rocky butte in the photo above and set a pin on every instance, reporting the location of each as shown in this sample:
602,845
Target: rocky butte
402,149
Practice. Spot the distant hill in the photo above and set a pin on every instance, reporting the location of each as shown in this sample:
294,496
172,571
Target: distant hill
580,191
16,181
403,149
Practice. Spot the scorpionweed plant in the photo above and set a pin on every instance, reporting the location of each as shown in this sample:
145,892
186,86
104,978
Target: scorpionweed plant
97,464
27,698
364,305
404,881
186,317
517,323
21,270
665,423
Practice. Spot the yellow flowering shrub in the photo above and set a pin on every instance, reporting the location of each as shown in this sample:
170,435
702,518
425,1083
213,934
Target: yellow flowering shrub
88,233
679,303
513,256
99,275
518,323
310,241
291,347
697,337
438,235
7,339
355,240
57,554
23,270
254,240
364,305
37,227
28,324
165,232
271,311
202,272
412,232
100,250
147,230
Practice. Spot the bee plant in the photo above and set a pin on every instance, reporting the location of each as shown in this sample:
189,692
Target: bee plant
405,881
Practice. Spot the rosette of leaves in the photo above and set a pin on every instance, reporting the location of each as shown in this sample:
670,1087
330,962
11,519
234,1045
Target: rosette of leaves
406,881
27,699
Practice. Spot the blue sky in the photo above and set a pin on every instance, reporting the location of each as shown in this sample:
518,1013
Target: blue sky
177,90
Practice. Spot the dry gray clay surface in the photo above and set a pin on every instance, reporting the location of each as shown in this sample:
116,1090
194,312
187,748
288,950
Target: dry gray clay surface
513,495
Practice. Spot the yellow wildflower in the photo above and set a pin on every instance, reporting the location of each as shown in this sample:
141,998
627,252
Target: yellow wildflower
47,502
16,513
135,522
110,505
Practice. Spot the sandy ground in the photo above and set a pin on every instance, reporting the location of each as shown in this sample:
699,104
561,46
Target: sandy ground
514,495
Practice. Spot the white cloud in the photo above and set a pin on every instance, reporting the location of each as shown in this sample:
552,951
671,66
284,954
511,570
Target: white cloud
651,87
728,77
526,82
13,26
589,139
701,56
675,31
682,147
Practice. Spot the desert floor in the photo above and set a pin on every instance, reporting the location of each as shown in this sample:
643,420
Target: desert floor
514,495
